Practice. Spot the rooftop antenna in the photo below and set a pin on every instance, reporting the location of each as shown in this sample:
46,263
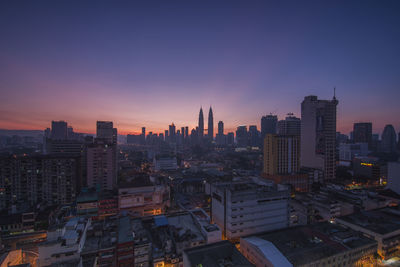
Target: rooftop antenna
334,93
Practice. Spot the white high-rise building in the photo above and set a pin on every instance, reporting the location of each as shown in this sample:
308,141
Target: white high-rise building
318,135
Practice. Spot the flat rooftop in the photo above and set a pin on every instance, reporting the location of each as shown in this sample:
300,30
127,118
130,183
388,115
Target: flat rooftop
381,221
306,244
218,254
124,230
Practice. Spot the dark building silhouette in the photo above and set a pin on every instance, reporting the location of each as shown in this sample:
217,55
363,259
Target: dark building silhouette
200,131
210,125
59,130
242,136
389,139
268,125
362,133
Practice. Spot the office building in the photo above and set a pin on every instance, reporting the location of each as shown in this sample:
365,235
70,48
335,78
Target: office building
348,151
389,143
362,133
200,131
281,154
245,208
242,137
268,125
282,161
318,135
172,133
291,125
230,139
254,136
221,137
59,130
210,130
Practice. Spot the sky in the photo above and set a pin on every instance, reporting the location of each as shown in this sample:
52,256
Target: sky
151,63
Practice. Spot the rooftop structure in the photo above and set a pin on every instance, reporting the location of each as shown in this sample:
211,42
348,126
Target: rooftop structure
217,254
320,244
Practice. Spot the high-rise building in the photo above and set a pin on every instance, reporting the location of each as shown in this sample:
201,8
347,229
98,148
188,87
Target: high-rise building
244,208
281,154
30,180
210,131
389,139
59,130
200,131
220,127
289,126
318,135
362,133
172,133
268,125
101,165
282,161
186,132
105,131
254,136
242,136
220,137
166,135
230,139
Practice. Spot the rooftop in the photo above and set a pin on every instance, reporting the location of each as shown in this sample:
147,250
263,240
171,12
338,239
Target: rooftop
306,244
217,254
381,221
124,230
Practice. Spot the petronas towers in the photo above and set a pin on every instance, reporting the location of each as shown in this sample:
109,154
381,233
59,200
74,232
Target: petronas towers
210,130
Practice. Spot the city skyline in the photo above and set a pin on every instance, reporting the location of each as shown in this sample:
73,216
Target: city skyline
138,65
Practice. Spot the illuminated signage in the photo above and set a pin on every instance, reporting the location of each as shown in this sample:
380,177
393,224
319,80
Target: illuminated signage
366,164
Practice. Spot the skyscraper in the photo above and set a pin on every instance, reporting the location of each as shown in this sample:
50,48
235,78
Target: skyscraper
186,132
268,125
281,154
220,137
105,131
210,125
289,126
59,130
318,135
242,136
362,133
389,139
254,136
201,124
220,127
101,166
282,161
172,133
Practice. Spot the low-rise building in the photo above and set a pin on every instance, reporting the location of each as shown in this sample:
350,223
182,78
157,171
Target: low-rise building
222,253
381,225
64,242
142,197
322,244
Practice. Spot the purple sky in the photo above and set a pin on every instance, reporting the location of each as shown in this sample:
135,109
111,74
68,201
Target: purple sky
156,63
